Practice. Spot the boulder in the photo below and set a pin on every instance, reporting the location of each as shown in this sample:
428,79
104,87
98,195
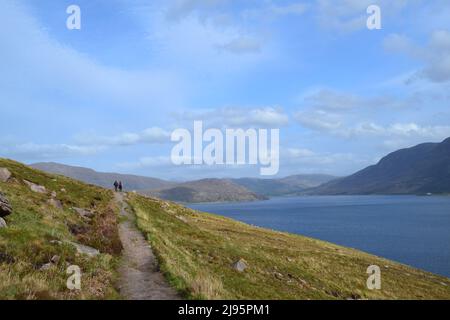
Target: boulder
82,249
55,203
240,265
35,187
55,259
3,223
4,174
5,207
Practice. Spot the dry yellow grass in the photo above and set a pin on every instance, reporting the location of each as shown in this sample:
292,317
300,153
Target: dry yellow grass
196,251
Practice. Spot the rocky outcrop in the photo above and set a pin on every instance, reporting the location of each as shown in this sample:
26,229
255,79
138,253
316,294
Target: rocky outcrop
86,250
55,203
5,174
5,207
35,187
240,265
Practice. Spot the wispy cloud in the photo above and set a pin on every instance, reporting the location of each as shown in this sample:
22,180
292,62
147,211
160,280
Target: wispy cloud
48,151
152,135
271,117
435,54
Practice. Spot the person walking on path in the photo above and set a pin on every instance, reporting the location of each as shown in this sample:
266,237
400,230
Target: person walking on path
116,185
120,186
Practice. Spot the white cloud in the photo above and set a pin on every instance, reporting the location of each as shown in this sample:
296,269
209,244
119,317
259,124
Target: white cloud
148,136
242,45
435,55
35,65
319,120
271,11
382,121
183,8
351,15
265,117
48,151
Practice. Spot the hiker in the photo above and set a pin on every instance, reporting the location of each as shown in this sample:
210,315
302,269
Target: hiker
120,186
116,185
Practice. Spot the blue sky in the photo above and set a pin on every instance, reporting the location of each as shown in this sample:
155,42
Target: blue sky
109,95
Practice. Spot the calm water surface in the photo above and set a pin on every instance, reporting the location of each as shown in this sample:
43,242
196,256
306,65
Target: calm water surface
409,229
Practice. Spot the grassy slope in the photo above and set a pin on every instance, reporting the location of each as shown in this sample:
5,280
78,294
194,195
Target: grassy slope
196,251
26,244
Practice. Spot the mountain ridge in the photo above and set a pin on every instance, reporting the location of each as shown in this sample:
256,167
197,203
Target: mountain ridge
421,169
102,179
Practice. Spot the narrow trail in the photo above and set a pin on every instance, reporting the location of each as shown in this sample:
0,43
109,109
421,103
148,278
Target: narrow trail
140,278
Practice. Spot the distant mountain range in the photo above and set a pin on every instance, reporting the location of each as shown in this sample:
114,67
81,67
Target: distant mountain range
103,179
422,169
206,190
290,185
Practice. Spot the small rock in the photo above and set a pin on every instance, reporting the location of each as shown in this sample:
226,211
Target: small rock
84,213
35,187
240,265
181,218
46,266
444,284
5,207
55,259
53,194
303,283
56,242
3,223
278,275
82,249
55,203
5,174
63,190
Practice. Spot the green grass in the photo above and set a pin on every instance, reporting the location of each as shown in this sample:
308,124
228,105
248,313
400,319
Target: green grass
26,244
196,251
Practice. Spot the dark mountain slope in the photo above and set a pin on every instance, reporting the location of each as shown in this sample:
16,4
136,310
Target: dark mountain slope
422,169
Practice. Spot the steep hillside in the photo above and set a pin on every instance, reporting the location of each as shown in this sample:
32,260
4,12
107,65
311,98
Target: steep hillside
286,186
102,179
207,190
422,169
208,256
55,222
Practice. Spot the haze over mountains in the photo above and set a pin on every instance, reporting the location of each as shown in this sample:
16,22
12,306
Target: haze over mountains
290,185
102,179
205,190
422,169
